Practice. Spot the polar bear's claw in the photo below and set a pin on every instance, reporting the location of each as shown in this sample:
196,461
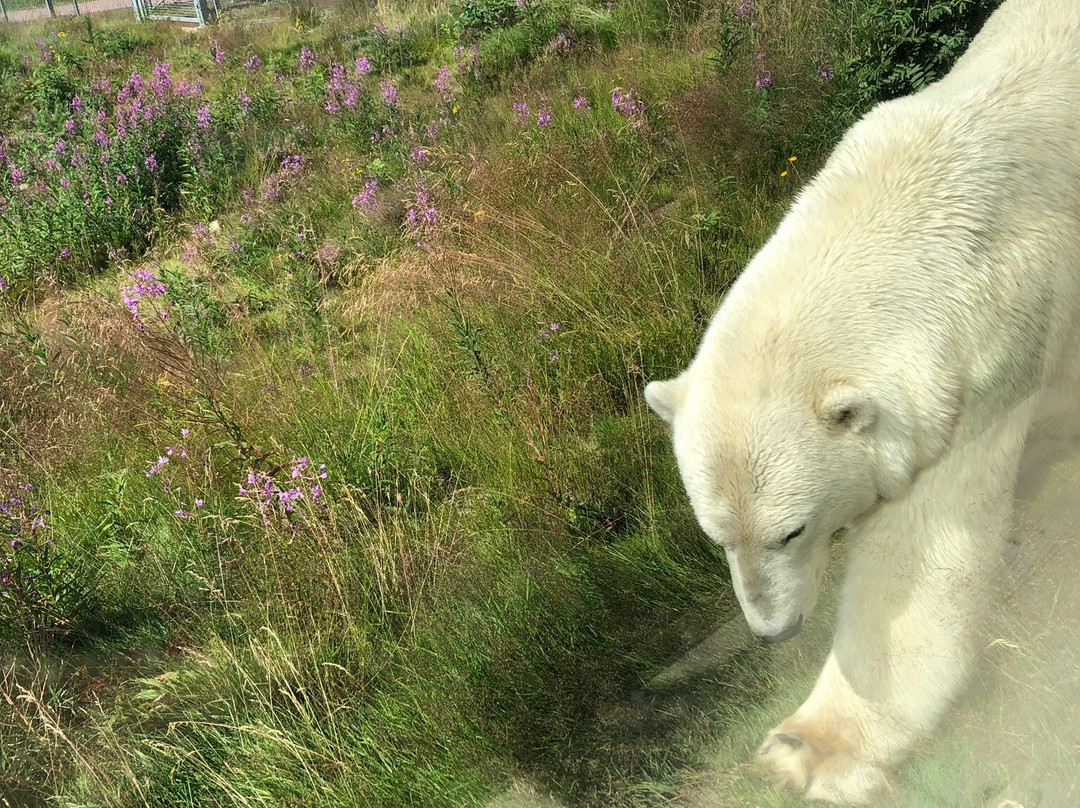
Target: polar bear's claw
837,776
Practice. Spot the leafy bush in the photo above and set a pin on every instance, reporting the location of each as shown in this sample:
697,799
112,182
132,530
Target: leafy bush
907,44
114,42
389,49
481,16
544,24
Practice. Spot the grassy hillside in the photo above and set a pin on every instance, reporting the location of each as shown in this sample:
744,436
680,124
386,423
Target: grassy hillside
325,478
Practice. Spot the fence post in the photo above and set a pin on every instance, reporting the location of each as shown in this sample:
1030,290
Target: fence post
3,8
76,4
49,5
205,10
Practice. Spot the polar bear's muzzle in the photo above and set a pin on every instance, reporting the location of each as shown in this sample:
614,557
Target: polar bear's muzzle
777,593
786,634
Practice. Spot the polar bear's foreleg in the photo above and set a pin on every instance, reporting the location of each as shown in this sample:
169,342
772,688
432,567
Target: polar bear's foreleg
910,609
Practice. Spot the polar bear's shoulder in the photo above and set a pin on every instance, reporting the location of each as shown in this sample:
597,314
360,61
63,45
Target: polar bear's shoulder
1023,37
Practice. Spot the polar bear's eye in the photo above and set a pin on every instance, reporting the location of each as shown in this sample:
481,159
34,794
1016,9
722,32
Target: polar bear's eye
792,535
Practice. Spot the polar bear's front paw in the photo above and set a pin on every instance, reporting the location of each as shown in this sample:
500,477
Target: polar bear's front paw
820,765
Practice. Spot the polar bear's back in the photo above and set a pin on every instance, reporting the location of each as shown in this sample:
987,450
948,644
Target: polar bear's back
1018,34
940,244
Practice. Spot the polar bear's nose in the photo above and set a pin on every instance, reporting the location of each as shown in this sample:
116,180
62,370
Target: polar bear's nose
786,634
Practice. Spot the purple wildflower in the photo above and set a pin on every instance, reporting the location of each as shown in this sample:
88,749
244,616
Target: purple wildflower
625,103
543,118
366,198
327,253
420,215
389,92
293,164
203,117
307,58
299,466
442,83
253,64
145,286
764,77
156,468
522,113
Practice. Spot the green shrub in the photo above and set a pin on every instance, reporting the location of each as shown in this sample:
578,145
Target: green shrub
906,44
113,42
473,17
543,23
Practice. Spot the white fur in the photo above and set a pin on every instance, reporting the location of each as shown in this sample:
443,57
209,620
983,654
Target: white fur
877,366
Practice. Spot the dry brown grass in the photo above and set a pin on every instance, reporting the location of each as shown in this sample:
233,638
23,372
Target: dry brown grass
79,378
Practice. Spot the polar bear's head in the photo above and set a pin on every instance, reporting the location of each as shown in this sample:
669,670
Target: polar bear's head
771,478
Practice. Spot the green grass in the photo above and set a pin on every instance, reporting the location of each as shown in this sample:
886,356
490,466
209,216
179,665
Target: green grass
500,557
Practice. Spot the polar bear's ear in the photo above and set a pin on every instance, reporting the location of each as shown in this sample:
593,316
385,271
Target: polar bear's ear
848,407
665,398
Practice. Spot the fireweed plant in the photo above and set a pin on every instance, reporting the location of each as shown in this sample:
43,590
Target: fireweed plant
103,164
281,495
43,592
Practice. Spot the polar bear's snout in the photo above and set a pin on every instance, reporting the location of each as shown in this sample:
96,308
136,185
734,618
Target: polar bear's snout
774,597
786,634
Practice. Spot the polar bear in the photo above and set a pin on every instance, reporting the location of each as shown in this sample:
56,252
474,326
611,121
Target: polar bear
877,367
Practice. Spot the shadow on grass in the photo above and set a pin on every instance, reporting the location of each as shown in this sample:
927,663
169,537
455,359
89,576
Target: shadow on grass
615,715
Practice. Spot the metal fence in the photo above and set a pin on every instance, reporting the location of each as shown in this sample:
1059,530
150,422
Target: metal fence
191,12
